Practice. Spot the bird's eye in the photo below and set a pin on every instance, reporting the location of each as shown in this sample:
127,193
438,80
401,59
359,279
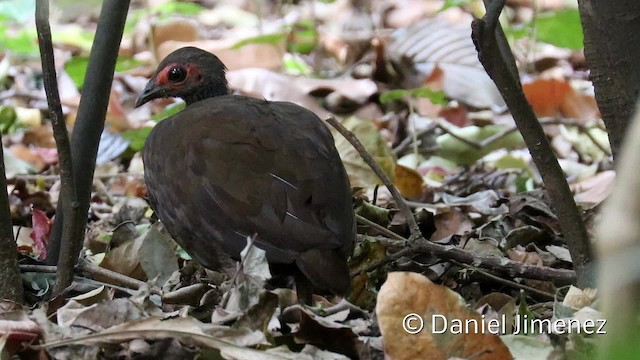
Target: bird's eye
177,74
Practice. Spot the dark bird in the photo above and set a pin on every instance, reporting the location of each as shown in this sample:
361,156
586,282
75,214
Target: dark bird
228,167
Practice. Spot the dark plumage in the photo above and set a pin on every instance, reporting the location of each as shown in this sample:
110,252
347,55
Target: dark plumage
227,167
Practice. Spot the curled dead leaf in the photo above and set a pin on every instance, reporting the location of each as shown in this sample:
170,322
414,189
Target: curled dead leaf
408,302
408,181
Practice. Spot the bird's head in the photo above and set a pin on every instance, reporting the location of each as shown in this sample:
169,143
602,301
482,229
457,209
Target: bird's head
188,73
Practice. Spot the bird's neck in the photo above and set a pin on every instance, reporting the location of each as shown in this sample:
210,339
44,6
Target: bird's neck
206,92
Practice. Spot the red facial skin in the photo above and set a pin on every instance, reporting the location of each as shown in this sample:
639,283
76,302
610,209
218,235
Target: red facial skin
193,75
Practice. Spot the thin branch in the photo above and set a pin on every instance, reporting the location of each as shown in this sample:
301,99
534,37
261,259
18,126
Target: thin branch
498,61
114,277
507,282
444,126
383,230
185,294
56,177
67,258
448,252
90,120
11,288
404,209
38,268
409,141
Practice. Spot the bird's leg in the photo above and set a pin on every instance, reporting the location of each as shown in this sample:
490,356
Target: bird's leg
304,289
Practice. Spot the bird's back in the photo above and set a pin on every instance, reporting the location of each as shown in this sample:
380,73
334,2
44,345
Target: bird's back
235,166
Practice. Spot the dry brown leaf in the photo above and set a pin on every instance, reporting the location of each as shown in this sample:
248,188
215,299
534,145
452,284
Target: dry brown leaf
360,174
266,56
553,97
174,29
406,293
594,190
358,90
408,181
272,86
27,154
16,329
443,47
450,223
186,330
124,260
41,136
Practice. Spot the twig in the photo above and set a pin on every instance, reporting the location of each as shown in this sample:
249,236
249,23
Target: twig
90,120
185,294
56,177
500,264
495,137
68,197
38,268
498,61
404,209
507,282
363,220
549,121
115,277
11,288
408,141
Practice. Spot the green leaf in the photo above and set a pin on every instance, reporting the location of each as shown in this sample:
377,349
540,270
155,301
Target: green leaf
294,65
462,153
436,97
8,118
170,110
303,38
454,3
137,137
562,28
173,8
125,63
23,43
73,35
77,67
263,39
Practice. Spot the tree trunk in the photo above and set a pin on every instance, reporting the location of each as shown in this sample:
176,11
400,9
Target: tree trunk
612,49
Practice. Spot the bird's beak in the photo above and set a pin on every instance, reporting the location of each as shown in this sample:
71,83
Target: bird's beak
151,91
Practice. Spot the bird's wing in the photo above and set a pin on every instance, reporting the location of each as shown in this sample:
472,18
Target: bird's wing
272,169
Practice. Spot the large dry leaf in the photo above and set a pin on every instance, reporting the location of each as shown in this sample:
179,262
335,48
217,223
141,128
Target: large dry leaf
553,97
272,86
186,330
157,254
260,55
408,181
360,174
418,50
175,29
406,293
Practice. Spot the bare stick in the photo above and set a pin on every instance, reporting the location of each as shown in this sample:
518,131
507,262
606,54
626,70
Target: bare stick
497,59
115,277
68,198
499,264
495,137
404,208
11,288
90,120
508,282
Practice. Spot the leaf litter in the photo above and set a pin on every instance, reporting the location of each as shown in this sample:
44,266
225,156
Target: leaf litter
404,77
